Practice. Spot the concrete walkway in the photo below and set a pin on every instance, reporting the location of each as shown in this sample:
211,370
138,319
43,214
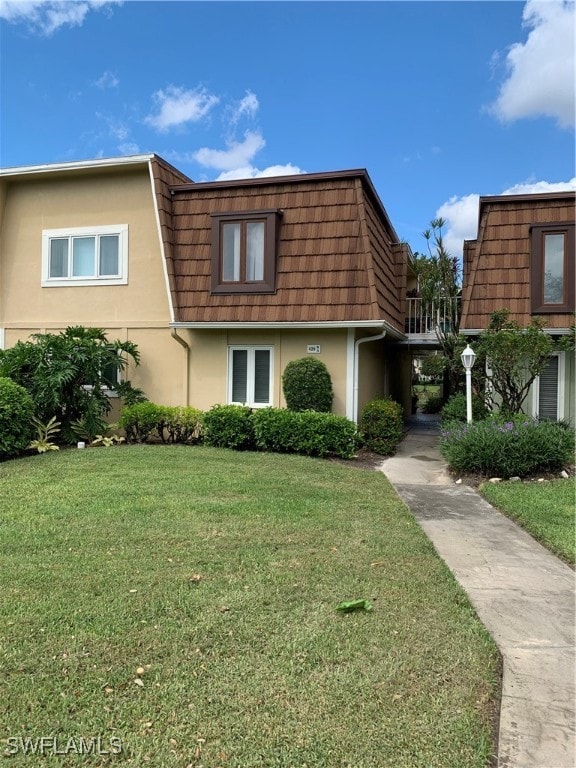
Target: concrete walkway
523,594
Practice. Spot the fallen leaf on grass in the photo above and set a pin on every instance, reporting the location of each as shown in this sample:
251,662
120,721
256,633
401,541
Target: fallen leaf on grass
354,605
139,682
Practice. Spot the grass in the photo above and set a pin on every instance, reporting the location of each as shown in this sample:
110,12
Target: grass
183,600
546,510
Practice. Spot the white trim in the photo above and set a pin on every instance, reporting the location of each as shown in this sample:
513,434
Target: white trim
66,232
350,374
106,162
161,242
279,326
2,338
250,348
560,384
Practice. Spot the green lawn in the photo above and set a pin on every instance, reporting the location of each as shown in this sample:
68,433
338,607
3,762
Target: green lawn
183,601
546,510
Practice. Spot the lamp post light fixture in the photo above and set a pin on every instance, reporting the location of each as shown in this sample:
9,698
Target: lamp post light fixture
468,357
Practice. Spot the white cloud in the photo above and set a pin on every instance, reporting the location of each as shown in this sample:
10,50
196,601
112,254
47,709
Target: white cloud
250,172
177,106
45,16
107,80
541,79
247,107
461,216
533,187
461,213
238,155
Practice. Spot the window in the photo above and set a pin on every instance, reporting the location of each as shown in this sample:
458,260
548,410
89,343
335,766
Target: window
85,256
548,390
250,376
244,252
553,254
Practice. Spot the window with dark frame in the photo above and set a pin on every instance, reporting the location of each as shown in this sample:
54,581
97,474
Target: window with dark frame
552,268
244,251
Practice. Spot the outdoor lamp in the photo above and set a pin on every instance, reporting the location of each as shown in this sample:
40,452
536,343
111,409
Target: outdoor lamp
468,357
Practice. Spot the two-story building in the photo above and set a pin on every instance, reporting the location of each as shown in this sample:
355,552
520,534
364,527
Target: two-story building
523,260
220,284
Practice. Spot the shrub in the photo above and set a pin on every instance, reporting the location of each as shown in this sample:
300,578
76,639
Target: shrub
181,424
229,426
455,409
433,404
169,423
141,420
519,447
16,414
69,375
307,385
381,425
305,432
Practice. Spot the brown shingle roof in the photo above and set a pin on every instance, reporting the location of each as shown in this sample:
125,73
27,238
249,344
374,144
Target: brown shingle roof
497,263
339,258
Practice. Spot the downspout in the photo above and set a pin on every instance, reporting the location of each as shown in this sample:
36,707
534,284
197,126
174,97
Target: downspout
357,343
180,340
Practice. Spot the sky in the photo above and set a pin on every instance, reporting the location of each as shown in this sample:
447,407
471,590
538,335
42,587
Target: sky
440,101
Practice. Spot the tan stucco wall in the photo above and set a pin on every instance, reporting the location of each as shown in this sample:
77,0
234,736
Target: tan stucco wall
32,206
138,311
374,372
209,361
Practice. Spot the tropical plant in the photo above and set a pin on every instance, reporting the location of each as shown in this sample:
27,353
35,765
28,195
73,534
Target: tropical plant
439,287
69,375
44,435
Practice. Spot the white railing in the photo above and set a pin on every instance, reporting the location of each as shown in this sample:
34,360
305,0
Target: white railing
423,319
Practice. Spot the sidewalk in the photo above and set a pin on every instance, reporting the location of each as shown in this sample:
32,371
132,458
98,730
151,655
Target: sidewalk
523,594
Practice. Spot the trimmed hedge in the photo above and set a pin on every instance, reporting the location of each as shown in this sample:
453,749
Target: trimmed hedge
306,432
307,385
381,425
170,424
229,426
16,414
519,447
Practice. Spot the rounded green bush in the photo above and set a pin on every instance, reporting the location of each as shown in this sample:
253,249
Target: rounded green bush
307,385
381,425
455,408
16,414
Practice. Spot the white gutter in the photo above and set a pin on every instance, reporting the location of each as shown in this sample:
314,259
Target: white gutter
279,326
76,165
379,337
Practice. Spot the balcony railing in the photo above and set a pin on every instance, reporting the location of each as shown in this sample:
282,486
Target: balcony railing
422,319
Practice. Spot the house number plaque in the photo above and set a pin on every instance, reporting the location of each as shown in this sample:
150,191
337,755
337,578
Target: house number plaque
313,349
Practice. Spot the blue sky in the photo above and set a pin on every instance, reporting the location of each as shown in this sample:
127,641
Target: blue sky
439,101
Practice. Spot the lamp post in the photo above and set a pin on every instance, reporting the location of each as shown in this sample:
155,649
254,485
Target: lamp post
468,357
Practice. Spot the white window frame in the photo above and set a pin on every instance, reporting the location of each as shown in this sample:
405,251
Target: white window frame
59,282
251,349
561,387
